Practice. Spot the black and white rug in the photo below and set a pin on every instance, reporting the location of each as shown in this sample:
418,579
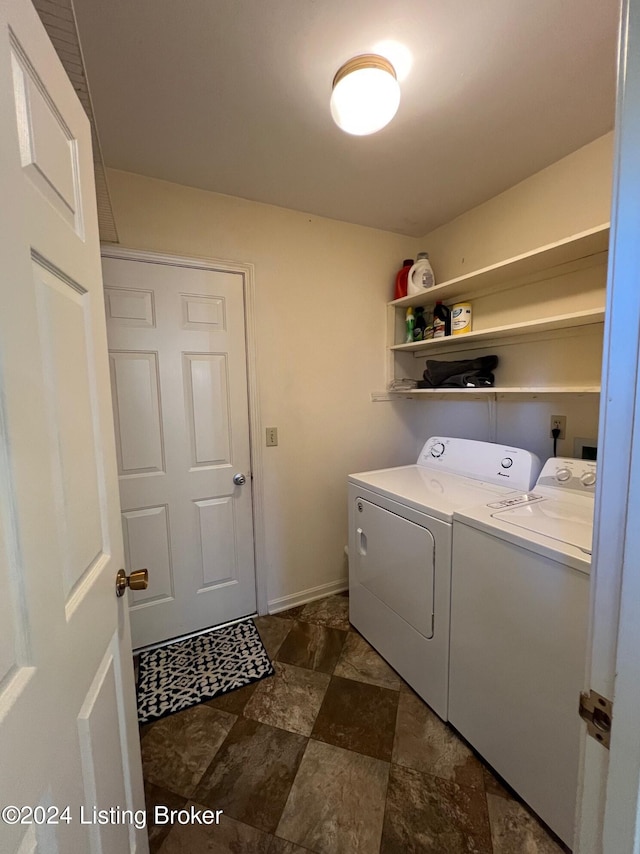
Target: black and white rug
174,677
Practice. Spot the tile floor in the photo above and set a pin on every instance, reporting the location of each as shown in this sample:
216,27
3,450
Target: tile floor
334,754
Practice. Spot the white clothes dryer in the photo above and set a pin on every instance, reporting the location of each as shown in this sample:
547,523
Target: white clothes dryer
400,527
519,615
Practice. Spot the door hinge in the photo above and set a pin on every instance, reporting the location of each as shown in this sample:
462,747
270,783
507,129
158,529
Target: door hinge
597,711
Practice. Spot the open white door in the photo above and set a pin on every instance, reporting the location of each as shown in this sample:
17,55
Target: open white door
608,819
68,735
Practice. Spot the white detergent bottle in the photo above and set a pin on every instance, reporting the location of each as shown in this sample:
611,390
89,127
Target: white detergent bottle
420,275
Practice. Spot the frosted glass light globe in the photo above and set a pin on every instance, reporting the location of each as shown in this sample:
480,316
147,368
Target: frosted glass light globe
365,96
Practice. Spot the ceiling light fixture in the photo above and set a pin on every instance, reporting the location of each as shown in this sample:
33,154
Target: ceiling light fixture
365,94
398,55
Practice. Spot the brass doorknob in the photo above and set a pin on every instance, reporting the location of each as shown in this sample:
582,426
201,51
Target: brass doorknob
138,580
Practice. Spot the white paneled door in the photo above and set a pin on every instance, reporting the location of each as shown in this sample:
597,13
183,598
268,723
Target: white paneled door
68,734
179,383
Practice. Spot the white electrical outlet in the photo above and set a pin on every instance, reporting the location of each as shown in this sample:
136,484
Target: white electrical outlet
558,422
272,436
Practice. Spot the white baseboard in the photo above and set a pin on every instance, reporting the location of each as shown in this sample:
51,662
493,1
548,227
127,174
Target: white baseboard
310,595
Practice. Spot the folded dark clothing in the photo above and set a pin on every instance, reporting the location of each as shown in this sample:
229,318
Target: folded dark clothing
467,380
462,373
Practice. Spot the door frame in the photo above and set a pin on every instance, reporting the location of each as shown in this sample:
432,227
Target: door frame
247,271
609,798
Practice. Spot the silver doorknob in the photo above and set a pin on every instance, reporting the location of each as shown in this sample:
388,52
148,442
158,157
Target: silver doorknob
239,479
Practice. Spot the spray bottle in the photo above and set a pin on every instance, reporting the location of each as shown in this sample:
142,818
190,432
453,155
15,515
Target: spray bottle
410,320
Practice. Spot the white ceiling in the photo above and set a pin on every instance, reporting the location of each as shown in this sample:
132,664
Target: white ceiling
233,96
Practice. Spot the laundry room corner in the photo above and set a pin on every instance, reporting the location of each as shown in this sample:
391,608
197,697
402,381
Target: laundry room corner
570,196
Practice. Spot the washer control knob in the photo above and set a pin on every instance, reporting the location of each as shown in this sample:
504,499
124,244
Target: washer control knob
437,450
588,478
506,463
563,475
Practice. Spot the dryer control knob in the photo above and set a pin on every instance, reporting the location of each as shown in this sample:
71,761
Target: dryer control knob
588,478
437,450
506,463
563,474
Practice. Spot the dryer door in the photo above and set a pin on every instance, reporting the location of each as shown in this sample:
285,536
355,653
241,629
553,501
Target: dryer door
394,560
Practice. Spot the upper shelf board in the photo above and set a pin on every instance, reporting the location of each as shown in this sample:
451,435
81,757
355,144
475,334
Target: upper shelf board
591,242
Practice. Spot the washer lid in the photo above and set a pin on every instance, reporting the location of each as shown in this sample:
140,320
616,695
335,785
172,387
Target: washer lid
565,522
436,493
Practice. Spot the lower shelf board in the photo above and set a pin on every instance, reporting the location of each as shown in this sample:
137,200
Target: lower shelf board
495,393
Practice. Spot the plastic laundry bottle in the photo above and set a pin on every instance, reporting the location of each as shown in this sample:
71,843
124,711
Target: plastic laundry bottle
401,279
420,275
410,325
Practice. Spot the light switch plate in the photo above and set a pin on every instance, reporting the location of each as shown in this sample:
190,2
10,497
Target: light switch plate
272,436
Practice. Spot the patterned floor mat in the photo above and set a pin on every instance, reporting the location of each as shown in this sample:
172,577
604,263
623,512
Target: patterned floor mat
174,677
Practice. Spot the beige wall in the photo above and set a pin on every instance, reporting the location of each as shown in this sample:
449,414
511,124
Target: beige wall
321,286
567,197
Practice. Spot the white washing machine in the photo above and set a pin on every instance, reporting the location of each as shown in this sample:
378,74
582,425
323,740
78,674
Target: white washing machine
519,615
400,523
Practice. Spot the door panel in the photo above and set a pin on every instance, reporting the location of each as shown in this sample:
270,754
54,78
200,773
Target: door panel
202,311
67,704
178,366
62,315
48,149
207,389
130,308
146,541
136,400
216,518
100,746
